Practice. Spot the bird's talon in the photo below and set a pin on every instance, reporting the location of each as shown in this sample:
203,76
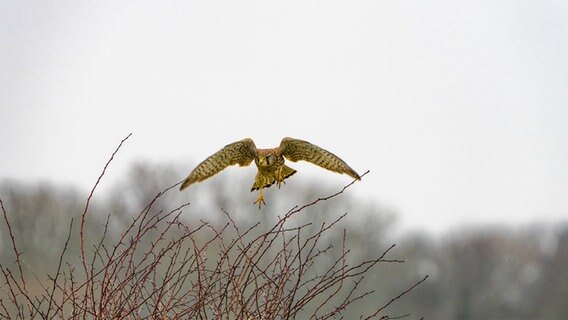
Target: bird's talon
279,178
260,200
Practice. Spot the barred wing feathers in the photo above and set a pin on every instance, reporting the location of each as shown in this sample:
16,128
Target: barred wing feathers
242,152
296,150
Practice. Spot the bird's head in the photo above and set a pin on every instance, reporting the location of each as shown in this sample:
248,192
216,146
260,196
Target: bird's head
266,160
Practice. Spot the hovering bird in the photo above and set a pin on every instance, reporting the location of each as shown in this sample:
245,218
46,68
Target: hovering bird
270,162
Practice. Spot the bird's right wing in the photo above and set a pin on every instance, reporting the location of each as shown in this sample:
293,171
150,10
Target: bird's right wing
296,150
242,152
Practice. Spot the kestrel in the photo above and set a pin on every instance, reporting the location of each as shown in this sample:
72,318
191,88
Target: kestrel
270,162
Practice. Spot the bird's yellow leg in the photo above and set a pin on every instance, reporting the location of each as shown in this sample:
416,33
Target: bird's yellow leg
279,177
260,200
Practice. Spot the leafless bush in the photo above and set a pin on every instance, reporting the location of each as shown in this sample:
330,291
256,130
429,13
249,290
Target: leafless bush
160,267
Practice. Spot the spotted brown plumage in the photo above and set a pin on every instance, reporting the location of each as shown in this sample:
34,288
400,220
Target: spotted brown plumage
269,162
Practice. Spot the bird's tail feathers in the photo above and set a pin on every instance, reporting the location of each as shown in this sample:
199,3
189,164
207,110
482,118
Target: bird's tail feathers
287,172
261,181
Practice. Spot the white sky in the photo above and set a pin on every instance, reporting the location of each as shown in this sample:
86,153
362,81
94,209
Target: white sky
458,108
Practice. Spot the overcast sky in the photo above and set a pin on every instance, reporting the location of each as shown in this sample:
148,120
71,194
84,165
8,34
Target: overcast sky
458,108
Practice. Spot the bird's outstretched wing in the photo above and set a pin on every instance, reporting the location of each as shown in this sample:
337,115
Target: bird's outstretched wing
296,149
242,152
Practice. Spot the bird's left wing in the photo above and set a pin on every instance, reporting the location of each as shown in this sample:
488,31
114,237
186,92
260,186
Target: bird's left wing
296,149
242,152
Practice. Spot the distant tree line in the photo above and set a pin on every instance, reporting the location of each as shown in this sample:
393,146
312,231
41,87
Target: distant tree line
492,272
143,251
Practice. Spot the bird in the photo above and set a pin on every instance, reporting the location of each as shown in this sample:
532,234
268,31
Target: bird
269,162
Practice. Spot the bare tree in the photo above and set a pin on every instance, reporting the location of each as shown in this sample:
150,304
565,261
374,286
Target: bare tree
158,266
